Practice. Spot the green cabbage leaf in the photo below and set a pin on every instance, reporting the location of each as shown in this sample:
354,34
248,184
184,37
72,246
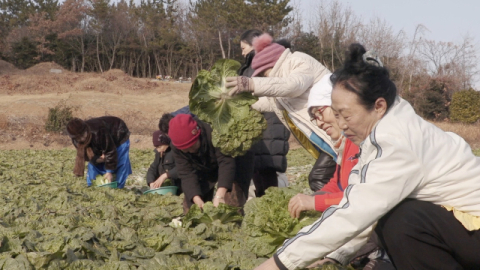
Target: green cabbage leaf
236,126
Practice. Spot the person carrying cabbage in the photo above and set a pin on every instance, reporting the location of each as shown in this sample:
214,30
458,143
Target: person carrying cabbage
104,143
283,80
201,166
163,167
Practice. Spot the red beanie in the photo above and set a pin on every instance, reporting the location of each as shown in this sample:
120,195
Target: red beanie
183,131
266,53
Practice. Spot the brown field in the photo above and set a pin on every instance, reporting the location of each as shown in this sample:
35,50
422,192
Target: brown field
26,96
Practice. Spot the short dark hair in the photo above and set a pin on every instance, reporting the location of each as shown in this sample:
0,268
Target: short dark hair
163,124
368,81
285,43
249,35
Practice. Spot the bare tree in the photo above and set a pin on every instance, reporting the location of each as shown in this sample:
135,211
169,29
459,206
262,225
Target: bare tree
336,27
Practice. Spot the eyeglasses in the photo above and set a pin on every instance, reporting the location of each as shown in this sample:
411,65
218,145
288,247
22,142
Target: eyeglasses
317,115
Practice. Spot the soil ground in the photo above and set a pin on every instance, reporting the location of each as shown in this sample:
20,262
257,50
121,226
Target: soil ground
27,95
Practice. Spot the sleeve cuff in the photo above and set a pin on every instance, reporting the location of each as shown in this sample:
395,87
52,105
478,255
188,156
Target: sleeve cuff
279,263
319,203
340,258
110,171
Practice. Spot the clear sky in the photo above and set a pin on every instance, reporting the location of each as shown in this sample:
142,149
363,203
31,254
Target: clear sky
446,20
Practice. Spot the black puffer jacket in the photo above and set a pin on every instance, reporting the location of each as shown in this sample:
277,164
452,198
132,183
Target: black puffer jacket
271,151
108,133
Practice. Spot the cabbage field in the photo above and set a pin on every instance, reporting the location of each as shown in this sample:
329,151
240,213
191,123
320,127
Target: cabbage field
50,219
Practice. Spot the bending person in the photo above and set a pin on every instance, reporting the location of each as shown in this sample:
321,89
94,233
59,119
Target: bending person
163,166
290,76
201,166
104,143
319,108
417,183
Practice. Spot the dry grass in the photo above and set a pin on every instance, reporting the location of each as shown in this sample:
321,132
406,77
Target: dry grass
3,121
469,132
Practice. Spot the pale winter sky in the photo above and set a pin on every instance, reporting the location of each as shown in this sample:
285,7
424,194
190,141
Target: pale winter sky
446,20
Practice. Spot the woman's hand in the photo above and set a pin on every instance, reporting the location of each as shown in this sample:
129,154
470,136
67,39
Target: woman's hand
268,265
198,201
239,84
108,176
219,196
101,159
158,183
300,203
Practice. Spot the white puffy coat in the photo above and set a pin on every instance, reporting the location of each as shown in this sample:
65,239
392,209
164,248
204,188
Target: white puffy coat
287,88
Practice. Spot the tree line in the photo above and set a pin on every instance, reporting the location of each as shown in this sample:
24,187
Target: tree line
150,37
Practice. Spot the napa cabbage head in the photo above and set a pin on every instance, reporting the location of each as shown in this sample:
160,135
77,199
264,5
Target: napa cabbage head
236,126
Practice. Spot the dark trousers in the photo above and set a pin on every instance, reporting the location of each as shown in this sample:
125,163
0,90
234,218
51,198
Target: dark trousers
263,179
422,235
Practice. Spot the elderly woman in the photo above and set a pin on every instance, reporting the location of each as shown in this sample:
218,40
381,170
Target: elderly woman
418,184
104,143
283,80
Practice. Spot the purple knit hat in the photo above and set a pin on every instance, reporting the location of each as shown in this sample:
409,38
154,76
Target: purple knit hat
266,53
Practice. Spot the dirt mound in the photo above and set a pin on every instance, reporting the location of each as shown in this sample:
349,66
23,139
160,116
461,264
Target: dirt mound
114,72
6,68
45,68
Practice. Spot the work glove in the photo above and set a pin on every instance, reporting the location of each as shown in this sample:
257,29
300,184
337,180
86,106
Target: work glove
239,84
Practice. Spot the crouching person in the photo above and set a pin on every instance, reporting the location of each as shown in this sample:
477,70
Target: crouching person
163,167
104,143
200,165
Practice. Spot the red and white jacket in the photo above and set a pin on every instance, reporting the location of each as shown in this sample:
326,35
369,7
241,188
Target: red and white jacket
339,181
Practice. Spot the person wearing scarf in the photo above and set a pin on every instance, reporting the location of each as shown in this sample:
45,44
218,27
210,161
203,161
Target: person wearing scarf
282,80
104,143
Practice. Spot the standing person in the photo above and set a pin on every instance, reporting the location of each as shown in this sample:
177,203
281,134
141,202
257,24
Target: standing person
201,166
284,90
418,184
163,167
271,152
104,143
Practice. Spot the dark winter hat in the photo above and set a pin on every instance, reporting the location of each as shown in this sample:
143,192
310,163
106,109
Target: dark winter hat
183,131
159,138
266,53
76,127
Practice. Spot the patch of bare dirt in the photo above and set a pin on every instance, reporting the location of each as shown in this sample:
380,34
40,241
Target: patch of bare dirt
6,67
27,95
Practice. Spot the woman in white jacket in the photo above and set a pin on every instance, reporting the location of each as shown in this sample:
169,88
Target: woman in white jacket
419,185
283,80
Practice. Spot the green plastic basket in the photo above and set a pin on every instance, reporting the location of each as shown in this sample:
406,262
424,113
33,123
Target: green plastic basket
163,190
110,185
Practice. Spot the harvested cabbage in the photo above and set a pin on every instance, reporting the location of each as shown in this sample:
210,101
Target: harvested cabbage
236,126
101,180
